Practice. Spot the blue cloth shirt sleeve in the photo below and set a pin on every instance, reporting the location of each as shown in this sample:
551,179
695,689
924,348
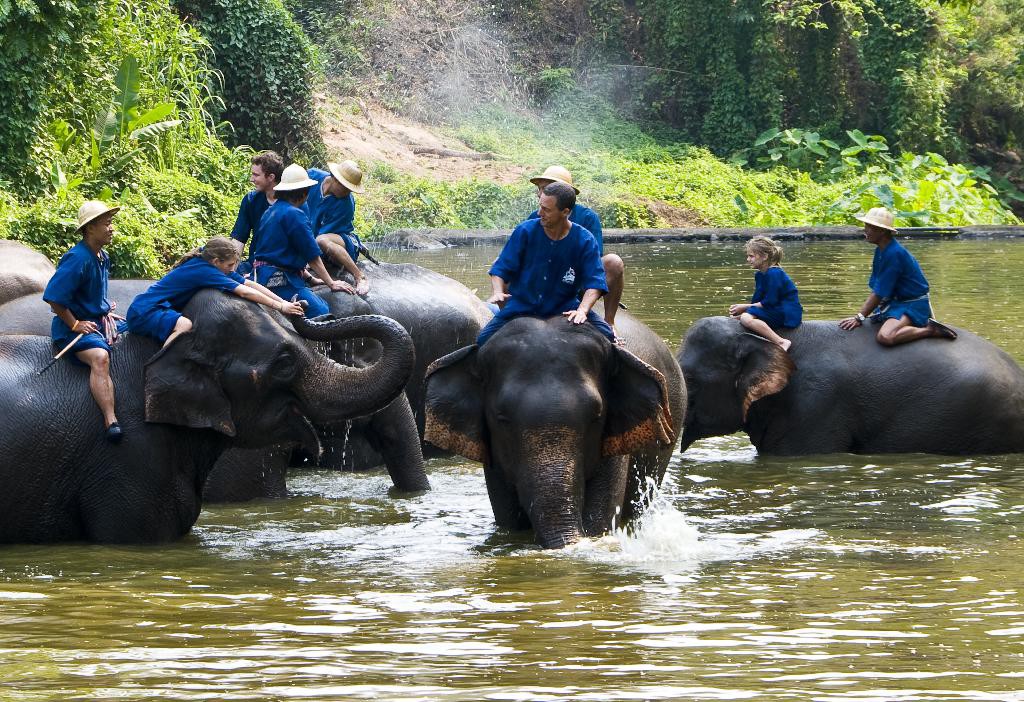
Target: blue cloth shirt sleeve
335,216
886,269
589,220
300,234
592,269
510,261
244,225
758,295
63,285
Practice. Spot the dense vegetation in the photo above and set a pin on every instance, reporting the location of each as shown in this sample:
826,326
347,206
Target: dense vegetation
667,111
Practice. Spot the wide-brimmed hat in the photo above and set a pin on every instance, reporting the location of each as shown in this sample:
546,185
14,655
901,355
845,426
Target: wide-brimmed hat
348,174
557,174
294,177
878,217
93,209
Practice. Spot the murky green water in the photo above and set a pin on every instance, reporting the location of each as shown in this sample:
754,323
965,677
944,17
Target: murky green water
826,578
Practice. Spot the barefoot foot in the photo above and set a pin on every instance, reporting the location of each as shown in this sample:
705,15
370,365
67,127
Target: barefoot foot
362,286
785,344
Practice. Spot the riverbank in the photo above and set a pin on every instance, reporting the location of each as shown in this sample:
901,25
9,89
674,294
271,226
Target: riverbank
425,239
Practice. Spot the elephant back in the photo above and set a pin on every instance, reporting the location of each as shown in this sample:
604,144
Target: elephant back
23,271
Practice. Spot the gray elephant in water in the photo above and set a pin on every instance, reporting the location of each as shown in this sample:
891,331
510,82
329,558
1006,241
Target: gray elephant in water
570,428
440,314
841,392
241,378
23,271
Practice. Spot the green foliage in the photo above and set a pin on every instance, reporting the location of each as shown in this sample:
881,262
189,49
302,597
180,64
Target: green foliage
550,82
36,37
407,202
626,215
266,62
925,189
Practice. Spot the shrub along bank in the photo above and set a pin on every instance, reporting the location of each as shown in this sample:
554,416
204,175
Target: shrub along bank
639,179
130,109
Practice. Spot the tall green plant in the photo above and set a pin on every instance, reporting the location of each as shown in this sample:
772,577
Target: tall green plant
266,62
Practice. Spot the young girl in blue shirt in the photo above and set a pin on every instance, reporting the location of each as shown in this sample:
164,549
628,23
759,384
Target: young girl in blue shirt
775,303
156,313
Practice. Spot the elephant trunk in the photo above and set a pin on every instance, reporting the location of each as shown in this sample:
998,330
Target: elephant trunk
334,392
550,485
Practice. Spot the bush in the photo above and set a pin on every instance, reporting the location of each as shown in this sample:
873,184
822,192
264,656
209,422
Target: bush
266,62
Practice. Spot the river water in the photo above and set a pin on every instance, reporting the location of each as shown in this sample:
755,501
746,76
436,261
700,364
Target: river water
837,578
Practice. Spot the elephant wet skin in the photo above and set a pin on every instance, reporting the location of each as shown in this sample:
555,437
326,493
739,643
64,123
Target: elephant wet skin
239,378
841,392
569,427
441,315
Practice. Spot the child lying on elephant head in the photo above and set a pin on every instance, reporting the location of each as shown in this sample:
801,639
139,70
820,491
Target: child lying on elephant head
157,312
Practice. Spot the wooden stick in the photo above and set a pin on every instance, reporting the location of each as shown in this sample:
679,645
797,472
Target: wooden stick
62,352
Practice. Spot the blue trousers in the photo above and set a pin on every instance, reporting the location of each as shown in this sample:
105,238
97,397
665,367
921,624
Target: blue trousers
501,320
287,285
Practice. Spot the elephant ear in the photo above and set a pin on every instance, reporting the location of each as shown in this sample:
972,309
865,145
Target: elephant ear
639,414
182,388
765,369
454,407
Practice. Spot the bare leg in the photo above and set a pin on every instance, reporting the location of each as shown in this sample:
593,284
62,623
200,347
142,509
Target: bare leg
899,331
334,247
614,273
182,326
100,384
761,328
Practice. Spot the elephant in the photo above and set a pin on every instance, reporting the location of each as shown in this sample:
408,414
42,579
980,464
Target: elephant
570,428
240,378
23,271
842,392
441,314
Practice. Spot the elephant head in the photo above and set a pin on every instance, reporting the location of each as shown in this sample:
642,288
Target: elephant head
542,405
726,371
242,373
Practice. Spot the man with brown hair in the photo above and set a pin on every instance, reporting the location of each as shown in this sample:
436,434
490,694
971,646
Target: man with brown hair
265,174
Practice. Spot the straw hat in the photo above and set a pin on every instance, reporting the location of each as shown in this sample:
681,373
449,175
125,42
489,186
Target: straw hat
557,174
348,174
93,209
294,178
878,217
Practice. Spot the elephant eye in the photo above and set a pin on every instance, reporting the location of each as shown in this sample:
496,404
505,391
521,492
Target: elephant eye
283,366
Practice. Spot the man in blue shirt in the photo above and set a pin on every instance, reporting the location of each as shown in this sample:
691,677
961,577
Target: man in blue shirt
286,245
77,294
899,290
544,266
265,174
332,209
614,269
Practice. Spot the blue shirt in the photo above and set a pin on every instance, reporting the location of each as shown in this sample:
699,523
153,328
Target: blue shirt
286,240
896,274
329,214
254,204
586,218
80,284
545,276
776,292
176,288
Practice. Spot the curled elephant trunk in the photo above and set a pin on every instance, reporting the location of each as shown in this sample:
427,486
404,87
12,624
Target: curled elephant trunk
362,390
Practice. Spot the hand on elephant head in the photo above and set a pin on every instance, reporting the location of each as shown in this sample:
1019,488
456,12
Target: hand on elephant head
243,374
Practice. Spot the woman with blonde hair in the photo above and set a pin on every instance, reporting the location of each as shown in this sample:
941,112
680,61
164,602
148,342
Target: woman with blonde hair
775,303
157,312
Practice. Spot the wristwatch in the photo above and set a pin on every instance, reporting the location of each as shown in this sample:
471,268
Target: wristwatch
860,317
